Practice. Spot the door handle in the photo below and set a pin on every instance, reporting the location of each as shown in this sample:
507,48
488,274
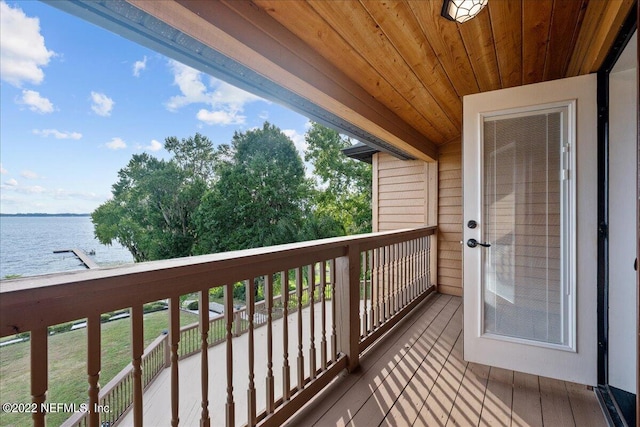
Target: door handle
472,243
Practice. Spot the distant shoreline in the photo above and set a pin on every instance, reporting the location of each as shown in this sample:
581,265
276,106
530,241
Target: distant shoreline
43,214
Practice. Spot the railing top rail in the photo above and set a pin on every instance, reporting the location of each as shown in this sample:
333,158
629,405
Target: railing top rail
36,302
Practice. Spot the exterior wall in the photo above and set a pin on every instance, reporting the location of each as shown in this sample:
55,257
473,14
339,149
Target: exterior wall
401,199
400,193
450,218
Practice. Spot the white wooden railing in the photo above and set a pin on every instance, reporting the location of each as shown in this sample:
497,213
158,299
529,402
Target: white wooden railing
362,285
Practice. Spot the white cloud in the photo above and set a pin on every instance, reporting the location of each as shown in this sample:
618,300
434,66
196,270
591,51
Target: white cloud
154,146
13,186
3,171
102,104
226,102
116,144
139,66
29,174
57,134
298,140
22,48
35,102
220,117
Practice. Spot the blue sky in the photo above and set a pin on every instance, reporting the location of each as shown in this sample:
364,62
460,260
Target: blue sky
77,101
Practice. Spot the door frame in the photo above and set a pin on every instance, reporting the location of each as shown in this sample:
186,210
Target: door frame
603,391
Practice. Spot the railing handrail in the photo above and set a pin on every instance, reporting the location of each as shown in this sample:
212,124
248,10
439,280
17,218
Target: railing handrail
62,297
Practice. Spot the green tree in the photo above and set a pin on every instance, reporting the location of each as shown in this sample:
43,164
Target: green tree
194,155
259,196
345,193
154,200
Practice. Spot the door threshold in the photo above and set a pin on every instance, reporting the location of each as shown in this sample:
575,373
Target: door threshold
611,400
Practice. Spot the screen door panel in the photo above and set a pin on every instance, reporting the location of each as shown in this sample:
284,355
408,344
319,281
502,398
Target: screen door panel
524,292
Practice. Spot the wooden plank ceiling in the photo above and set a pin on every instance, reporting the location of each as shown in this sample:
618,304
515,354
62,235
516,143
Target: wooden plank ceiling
405,63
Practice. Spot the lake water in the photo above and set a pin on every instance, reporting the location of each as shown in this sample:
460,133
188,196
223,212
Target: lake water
27,245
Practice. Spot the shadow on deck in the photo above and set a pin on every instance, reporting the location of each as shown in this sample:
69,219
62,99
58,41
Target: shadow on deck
416,376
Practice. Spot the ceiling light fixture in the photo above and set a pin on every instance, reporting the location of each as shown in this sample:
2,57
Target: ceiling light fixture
462,10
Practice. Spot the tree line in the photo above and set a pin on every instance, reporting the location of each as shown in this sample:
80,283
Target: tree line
250,193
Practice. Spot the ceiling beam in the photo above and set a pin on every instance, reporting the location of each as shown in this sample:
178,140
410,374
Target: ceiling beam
244,33
602,22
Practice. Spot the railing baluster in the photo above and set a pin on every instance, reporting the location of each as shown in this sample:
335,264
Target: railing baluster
396,287
414,266
374,289
363,293
268,295
414,250
137,346
385,283
334,334
299,308
251,389
286,370
398,248
323,290
422,263
174,339
39,373
401,283
205,420
229,317
369,275
93,367
312,321
429,255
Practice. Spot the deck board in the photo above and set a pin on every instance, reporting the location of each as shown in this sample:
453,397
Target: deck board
527,408
414,376
556,409
417,377
357,388
403,390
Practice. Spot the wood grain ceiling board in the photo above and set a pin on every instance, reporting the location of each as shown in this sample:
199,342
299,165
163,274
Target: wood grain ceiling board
480,47
600,26
305,23
398,24
445,41
565,25
359,29
536,23
591,21
613,18
506,25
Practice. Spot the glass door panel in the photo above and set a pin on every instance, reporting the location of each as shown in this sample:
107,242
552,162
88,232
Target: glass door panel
525,159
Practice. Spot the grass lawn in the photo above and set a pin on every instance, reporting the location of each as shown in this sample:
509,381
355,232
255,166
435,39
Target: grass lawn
67,364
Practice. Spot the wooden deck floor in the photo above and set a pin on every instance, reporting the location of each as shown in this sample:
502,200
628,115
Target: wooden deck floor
417,377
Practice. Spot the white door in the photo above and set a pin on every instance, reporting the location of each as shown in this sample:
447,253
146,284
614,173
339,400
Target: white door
530,229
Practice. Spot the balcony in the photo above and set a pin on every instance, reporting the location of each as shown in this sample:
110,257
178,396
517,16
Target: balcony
354,288
320,353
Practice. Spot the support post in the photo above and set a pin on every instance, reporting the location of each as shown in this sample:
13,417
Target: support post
348,305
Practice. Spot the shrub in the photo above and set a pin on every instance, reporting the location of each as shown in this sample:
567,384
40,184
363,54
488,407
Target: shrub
193,305
154,306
